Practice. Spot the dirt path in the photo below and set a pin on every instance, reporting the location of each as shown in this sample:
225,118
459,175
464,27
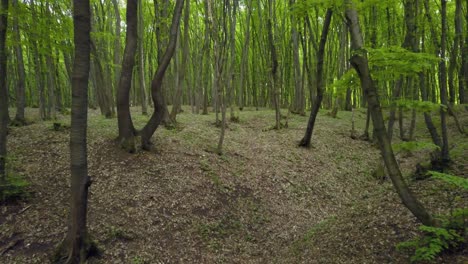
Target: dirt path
263,201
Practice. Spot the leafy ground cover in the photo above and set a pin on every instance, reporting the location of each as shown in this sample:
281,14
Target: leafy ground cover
263,201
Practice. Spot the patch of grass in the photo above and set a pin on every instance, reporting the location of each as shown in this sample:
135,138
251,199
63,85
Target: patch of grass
118,233
302,243
223,228
14,188
206,167
138,260
460,149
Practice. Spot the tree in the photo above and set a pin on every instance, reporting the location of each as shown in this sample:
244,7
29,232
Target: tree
4,118
126,129
156,85
20,89
360,63
305,141
77,244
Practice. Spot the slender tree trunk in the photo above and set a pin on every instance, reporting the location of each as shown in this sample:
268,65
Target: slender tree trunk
443,85
125,123
360,63
117,58
182,78
244,57
274,65
4,118
156,85
206,69
463,73
427,116
141,61
305,141
103,98
20,87
77,245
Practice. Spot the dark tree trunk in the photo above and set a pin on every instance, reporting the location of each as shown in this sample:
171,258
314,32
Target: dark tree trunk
443,85
126,128
360,63
101,88
4,118
274,66
427,116
156,85
141,60
463,74
77,245
20,88
305,141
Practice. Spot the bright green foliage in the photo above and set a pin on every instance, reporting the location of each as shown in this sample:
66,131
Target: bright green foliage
451,179
419,106
434,241
414,146
349,80
399,61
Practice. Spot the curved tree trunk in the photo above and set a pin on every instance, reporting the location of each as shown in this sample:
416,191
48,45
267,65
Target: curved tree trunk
77,245
126,129
360,63
156,85
305,141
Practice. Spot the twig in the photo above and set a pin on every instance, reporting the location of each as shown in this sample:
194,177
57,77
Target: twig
24,210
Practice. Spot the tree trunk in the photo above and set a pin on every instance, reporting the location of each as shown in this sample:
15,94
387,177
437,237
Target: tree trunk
244,58
20,87
305,141
77,245
141,61
156,85
126,128
274,66
182,78
443,85
4,118
360,63
463,73
117,58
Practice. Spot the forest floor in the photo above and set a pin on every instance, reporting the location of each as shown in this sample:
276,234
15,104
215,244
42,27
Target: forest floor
264,200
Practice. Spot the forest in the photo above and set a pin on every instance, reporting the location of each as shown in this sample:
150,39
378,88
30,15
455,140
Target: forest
233,131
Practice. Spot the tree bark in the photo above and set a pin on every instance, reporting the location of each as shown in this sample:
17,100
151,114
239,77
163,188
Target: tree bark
125,123
182,78
443,85
117,58
77,245
360,63
141,60
156,85
274,66
305,141
20,87
4,118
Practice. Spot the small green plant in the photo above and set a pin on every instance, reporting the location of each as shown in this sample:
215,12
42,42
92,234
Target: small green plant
450,233
432,243
14,187
137,260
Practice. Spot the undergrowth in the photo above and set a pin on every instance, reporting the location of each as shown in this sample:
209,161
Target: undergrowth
449,235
